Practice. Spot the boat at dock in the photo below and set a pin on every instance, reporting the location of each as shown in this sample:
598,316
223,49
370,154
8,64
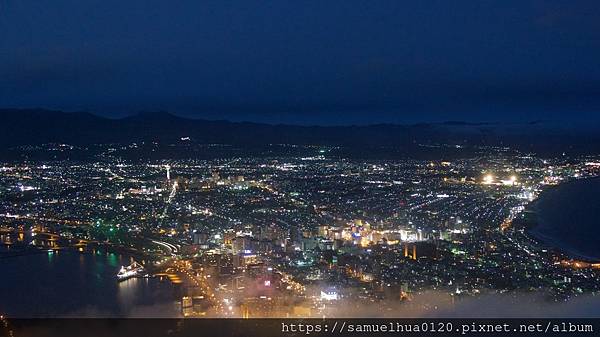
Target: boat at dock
133,270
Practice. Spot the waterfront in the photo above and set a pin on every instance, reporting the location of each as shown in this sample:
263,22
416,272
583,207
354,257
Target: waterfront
73,284
568,218
285,237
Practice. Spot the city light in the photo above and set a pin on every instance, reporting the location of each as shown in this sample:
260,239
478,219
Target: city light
488,179
269,248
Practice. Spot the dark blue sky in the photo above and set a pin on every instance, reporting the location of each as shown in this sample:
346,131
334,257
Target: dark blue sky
325,62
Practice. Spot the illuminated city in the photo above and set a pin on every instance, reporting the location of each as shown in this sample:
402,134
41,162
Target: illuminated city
268,168
288,236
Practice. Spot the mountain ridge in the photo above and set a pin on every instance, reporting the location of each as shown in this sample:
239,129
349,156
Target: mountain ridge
38,126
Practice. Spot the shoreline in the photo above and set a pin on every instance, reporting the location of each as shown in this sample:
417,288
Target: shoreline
534,229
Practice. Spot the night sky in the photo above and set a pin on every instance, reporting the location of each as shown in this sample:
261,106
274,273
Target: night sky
306,62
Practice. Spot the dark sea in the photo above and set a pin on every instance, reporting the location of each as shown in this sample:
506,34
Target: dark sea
73,284
568,218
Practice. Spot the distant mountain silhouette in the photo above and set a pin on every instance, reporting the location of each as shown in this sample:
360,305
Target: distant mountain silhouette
37,126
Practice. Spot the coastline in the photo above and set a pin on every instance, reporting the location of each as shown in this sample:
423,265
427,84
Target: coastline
538,227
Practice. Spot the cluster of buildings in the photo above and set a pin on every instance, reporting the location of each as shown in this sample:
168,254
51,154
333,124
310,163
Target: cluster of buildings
306,236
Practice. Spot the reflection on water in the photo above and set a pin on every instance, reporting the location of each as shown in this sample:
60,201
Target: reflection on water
67,283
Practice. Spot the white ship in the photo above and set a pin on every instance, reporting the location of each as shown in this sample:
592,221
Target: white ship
128,272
